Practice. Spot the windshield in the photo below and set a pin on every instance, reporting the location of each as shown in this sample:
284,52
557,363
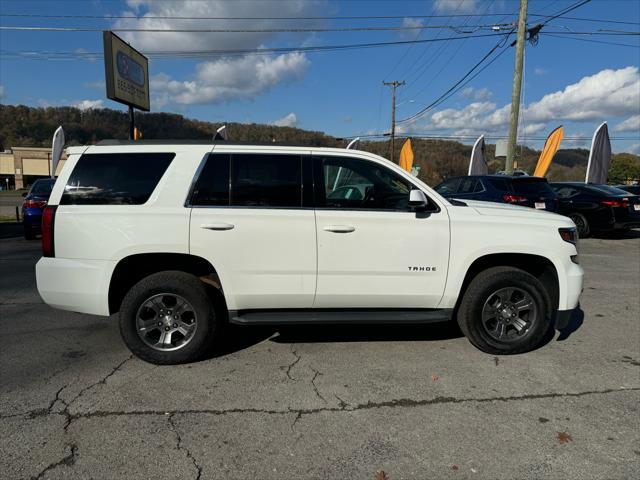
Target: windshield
42,187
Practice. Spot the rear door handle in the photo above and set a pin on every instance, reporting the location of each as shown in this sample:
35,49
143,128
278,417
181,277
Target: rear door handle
339,228
217,226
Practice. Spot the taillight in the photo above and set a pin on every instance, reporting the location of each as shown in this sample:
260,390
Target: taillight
513,198
48,220
615,203
34,203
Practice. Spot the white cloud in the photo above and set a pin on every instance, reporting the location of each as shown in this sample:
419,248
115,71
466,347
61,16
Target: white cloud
97,85
479,94
223,78
229,79
634,148
1,91
455,6
412,23
89,104
540,71
606,94
533,128
289,120
150,41
631,124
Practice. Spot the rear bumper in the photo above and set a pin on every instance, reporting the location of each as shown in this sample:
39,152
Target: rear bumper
75,285
32,221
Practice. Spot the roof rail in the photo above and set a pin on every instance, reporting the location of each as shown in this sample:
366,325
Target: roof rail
117,142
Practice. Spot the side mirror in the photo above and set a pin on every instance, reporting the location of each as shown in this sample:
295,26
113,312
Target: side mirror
418,200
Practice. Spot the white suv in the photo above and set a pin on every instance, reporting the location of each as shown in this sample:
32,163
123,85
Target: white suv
182,237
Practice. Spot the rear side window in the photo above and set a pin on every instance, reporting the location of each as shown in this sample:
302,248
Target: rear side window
251,180
266,180
528,186
115,178
470,185
42,187
499,184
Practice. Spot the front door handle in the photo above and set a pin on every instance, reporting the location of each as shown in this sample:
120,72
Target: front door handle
339,228
217,226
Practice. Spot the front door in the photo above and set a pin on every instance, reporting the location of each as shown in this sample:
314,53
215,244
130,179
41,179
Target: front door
373,251
248,220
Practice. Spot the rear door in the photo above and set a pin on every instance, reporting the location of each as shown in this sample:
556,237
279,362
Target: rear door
373,251
249,219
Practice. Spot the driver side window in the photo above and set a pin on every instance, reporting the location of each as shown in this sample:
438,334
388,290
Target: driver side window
359,184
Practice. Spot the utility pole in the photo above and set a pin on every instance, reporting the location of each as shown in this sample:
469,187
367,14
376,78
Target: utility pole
395,84
517,86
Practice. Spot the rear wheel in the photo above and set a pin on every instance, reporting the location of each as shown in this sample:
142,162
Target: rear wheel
505,310
168,318
581,224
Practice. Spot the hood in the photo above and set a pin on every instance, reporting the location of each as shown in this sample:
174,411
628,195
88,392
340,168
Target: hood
508,210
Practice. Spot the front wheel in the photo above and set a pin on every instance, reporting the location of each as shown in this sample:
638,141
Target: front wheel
168,318
505,310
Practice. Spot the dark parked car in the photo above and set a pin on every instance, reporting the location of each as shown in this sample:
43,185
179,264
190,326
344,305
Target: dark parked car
598,208
34,203
519,190
635,189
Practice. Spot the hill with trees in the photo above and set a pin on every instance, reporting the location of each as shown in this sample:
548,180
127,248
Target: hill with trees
438,159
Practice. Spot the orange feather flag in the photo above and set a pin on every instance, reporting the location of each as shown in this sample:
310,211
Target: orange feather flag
406,156
551,146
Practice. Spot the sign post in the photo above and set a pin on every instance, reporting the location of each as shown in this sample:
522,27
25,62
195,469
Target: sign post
127,75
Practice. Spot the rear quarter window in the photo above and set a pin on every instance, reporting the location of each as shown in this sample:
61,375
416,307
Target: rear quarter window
531,186
115,178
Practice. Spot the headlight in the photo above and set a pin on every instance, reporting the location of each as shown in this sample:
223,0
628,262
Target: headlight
569,235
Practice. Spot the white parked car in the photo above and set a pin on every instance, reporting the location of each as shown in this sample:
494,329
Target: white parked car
181,237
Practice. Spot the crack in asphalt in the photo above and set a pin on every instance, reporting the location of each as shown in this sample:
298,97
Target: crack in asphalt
68,460
292,364
179,445
396,403
342,407
316,374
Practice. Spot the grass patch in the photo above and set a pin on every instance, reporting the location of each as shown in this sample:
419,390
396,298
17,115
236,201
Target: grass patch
8,219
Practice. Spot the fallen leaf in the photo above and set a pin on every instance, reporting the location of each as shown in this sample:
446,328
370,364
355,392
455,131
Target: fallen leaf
435,378
454,467
380,475
564,437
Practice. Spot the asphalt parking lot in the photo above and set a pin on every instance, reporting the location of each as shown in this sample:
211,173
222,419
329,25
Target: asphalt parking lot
323,402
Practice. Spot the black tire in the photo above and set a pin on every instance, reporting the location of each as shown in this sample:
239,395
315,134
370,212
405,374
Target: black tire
29,235
584,230
166,285
477,297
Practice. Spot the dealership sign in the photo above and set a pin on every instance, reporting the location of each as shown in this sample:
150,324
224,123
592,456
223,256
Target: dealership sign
126,71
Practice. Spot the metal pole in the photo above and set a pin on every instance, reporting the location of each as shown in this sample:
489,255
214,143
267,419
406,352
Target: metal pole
517,86
395,84
131,123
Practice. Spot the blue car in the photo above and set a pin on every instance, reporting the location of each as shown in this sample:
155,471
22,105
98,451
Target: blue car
521,190
34,203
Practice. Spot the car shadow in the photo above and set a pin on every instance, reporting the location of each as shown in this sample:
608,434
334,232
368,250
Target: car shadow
367,333
576,321
618,235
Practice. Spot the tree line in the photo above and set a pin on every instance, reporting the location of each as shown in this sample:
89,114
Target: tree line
25,126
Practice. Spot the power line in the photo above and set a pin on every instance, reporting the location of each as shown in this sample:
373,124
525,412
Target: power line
592,41
476,135
564,11
248,30
466,75
351,17
208,53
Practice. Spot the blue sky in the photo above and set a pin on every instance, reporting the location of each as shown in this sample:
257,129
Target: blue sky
567,81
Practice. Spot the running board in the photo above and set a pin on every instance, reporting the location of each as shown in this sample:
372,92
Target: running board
346,316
